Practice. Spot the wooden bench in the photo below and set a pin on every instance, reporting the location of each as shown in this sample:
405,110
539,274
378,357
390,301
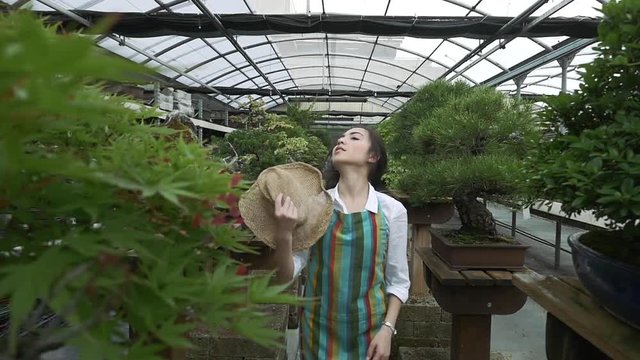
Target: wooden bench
472,297
577,327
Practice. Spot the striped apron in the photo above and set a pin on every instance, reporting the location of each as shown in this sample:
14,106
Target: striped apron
346,276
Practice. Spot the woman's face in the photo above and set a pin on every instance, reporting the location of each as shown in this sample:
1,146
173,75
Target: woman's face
353,148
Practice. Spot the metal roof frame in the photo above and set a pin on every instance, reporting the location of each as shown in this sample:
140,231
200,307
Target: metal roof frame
548,54
218,24
82,20
207,61
316,66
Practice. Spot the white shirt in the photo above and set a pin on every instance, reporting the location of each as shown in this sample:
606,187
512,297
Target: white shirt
396,270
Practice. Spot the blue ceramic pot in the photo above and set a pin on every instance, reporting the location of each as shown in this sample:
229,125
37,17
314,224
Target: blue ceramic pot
613,284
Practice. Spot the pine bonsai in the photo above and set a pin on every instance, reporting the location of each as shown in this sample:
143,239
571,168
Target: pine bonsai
455,142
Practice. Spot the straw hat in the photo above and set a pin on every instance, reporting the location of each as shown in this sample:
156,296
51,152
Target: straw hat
301,182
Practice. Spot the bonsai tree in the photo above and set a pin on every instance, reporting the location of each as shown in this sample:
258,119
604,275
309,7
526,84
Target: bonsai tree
455,142
270,140
106,221
591,160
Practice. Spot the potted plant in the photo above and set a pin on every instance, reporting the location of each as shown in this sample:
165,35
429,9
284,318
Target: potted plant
104,221
268,140
592,162
461,143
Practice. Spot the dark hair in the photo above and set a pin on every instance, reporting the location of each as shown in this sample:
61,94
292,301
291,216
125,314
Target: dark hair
376,170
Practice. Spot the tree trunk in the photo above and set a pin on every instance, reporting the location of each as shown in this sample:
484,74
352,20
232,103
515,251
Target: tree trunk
474,216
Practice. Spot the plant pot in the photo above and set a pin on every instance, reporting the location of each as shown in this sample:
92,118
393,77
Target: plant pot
431,213
478,256
613,284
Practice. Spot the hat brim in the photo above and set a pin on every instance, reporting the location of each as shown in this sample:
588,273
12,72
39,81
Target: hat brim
258,209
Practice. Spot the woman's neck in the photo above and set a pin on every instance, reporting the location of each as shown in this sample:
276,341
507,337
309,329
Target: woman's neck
354,191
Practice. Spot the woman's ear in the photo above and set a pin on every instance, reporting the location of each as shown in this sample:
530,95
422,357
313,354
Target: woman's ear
373,158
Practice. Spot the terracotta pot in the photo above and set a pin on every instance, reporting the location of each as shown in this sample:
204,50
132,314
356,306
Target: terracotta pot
478,256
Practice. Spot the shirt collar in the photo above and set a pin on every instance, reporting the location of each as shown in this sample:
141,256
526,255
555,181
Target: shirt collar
371,205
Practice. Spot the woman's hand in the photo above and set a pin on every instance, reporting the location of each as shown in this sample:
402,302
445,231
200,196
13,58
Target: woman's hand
380,346
286,214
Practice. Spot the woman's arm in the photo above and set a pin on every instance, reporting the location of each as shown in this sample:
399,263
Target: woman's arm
393,309
286,217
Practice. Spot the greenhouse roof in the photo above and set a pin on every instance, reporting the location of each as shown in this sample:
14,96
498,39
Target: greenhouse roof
357,60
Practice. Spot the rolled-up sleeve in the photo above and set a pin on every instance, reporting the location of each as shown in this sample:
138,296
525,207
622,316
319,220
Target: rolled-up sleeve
397,270
300,259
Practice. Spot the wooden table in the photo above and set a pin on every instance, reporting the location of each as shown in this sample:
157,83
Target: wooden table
592,332
472,297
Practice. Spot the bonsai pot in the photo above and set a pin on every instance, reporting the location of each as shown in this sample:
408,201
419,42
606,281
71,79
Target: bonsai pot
478,256
613,284
432,213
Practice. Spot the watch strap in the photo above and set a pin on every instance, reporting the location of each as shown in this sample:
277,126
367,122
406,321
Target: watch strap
388,324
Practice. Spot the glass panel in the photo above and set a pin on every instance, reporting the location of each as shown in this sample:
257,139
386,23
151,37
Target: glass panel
212,69
415,81
429,70
356,7
315,72
288,45
261,52
551,40
246,40
120,6
216,7
515,52
421,46
234,78
483,70
287,85
272,67
509,8
538,89
156,44
284,6
425,8
349,73
397,72
303,61
223,46
353,47
377,79
162,69
115,47
578,8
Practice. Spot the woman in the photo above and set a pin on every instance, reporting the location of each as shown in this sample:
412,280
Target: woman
358,271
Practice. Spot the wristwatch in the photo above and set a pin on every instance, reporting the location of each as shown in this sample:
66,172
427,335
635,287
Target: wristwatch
388,324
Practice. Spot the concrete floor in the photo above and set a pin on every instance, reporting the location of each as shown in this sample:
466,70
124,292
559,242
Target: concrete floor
520,336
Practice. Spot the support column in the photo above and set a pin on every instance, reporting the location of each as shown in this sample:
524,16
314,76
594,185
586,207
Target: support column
519,80
472,334
564,65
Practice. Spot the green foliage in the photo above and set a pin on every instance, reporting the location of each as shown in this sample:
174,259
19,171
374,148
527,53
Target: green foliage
272,141
596,164
398,131
106,220
457,139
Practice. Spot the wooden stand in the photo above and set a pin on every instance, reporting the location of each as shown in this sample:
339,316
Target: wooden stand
421,238
472,297
569,303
